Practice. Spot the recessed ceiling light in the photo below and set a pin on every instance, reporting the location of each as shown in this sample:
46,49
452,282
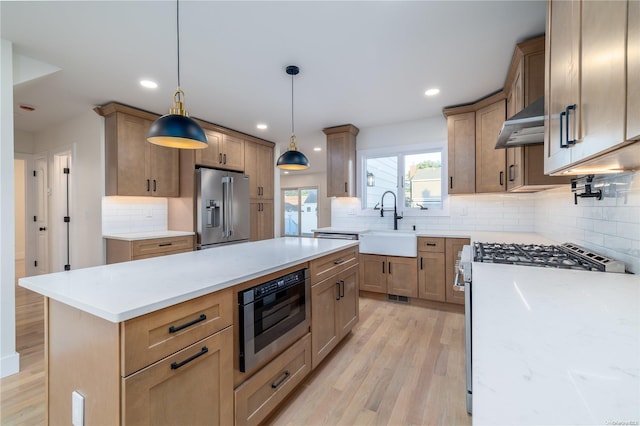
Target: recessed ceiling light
317,149
286,173
149,84
262,126
432,92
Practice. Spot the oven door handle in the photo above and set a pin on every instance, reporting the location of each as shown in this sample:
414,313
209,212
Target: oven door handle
274,308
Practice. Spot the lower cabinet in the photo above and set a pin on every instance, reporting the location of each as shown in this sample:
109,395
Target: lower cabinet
125,250
431,276
260,220
259,395
389,274
190,387
334,311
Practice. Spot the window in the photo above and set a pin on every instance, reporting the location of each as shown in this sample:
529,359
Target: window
415,176
300,211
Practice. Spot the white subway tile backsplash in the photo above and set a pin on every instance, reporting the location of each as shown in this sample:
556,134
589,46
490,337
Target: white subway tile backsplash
133,214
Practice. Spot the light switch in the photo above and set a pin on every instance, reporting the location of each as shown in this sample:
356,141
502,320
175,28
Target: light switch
77,409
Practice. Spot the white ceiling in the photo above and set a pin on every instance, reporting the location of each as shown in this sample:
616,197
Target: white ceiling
361,62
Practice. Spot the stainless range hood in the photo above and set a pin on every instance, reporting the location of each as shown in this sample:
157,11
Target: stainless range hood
524,128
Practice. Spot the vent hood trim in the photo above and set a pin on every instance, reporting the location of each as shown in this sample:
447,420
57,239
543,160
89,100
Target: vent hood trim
524,128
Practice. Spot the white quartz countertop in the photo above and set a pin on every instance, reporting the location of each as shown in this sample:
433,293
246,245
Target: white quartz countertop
554,347
133,236
122,291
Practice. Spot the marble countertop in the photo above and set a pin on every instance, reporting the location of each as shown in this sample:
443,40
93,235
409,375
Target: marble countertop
555,346
134,236
122,291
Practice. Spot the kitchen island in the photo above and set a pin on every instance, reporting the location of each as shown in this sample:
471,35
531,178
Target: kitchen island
555,346
156,340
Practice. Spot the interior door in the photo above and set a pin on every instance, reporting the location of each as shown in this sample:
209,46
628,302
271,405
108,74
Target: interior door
41,215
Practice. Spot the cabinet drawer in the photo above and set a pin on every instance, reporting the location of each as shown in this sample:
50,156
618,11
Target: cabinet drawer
149,338
431,244
190,387
259,395
332,264
157,246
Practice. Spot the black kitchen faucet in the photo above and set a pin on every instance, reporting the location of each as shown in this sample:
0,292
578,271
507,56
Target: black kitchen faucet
395,209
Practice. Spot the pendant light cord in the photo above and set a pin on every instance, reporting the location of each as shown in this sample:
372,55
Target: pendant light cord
292,126
178,36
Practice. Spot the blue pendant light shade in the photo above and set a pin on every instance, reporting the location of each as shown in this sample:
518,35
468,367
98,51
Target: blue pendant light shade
292,159
176,129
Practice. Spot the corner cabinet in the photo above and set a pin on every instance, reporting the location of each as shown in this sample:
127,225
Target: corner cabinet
341,160
587,93
490,162
134,166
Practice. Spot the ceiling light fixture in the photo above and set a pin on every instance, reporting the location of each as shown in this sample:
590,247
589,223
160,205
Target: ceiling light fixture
177,129
292,159
317,149
149,84
432,92
261,126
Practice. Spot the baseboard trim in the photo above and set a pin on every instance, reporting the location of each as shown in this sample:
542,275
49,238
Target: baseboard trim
9,364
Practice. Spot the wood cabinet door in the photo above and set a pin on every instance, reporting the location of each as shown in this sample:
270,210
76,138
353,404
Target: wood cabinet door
633,71
266,224
340,166
602,74
515,167
165,171
232,153
490,162
562,88
453,247
193,386
254,220
132,159
373,273
211,155
324,326
431,276
402,276
251,157
265,171
348,306
462,153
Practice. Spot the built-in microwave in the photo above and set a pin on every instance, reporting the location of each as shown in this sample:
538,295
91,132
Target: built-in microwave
272,316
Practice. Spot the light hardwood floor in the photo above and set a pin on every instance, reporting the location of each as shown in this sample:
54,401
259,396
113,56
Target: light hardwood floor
401,365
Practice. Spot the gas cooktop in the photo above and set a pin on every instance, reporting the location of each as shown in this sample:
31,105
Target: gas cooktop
565,256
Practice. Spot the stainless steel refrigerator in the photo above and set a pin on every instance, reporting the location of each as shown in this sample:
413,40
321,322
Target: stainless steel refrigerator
222,207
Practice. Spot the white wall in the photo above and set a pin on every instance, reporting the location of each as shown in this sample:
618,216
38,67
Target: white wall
23,142
85,136
9,358
20,207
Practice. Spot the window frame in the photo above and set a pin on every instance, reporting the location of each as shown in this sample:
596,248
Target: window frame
283,209
401,151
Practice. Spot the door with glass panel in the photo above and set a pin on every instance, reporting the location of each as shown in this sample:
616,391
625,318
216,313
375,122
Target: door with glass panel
299,211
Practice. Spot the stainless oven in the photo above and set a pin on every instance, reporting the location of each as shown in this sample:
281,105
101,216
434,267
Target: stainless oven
462,282
273,315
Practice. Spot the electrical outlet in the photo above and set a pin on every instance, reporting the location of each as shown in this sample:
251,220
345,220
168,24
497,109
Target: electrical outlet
77,409
149,213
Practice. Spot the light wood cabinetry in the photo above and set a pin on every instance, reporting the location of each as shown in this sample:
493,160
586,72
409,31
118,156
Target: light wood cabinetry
261,226
172,366
586,67
134,166
462,153
490,162
123,251
259,395
389,274
341,160
524,85
431,268
334,301
224,152
452,248
633,71
258,165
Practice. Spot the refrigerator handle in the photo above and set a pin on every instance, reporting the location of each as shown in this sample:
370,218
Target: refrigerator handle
230,201
225,206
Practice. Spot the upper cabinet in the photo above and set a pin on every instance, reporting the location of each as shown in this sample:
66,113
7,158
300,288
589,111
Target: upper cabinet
224,152
462,152
633,71
134,166
341,160
490,162
586,86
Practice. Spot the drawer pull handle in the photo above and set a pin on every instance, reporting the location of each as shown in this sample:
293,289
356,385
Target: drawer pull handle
176,365
339,261
279,382
164,244
173,328
431,244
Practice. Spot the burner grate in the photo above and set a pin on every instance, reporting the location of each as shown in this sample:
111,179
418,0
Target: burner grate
566,256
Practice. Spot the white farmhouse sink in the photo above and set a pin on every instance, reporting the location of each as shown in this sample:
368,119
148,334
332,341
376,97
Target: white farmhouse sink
390,243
